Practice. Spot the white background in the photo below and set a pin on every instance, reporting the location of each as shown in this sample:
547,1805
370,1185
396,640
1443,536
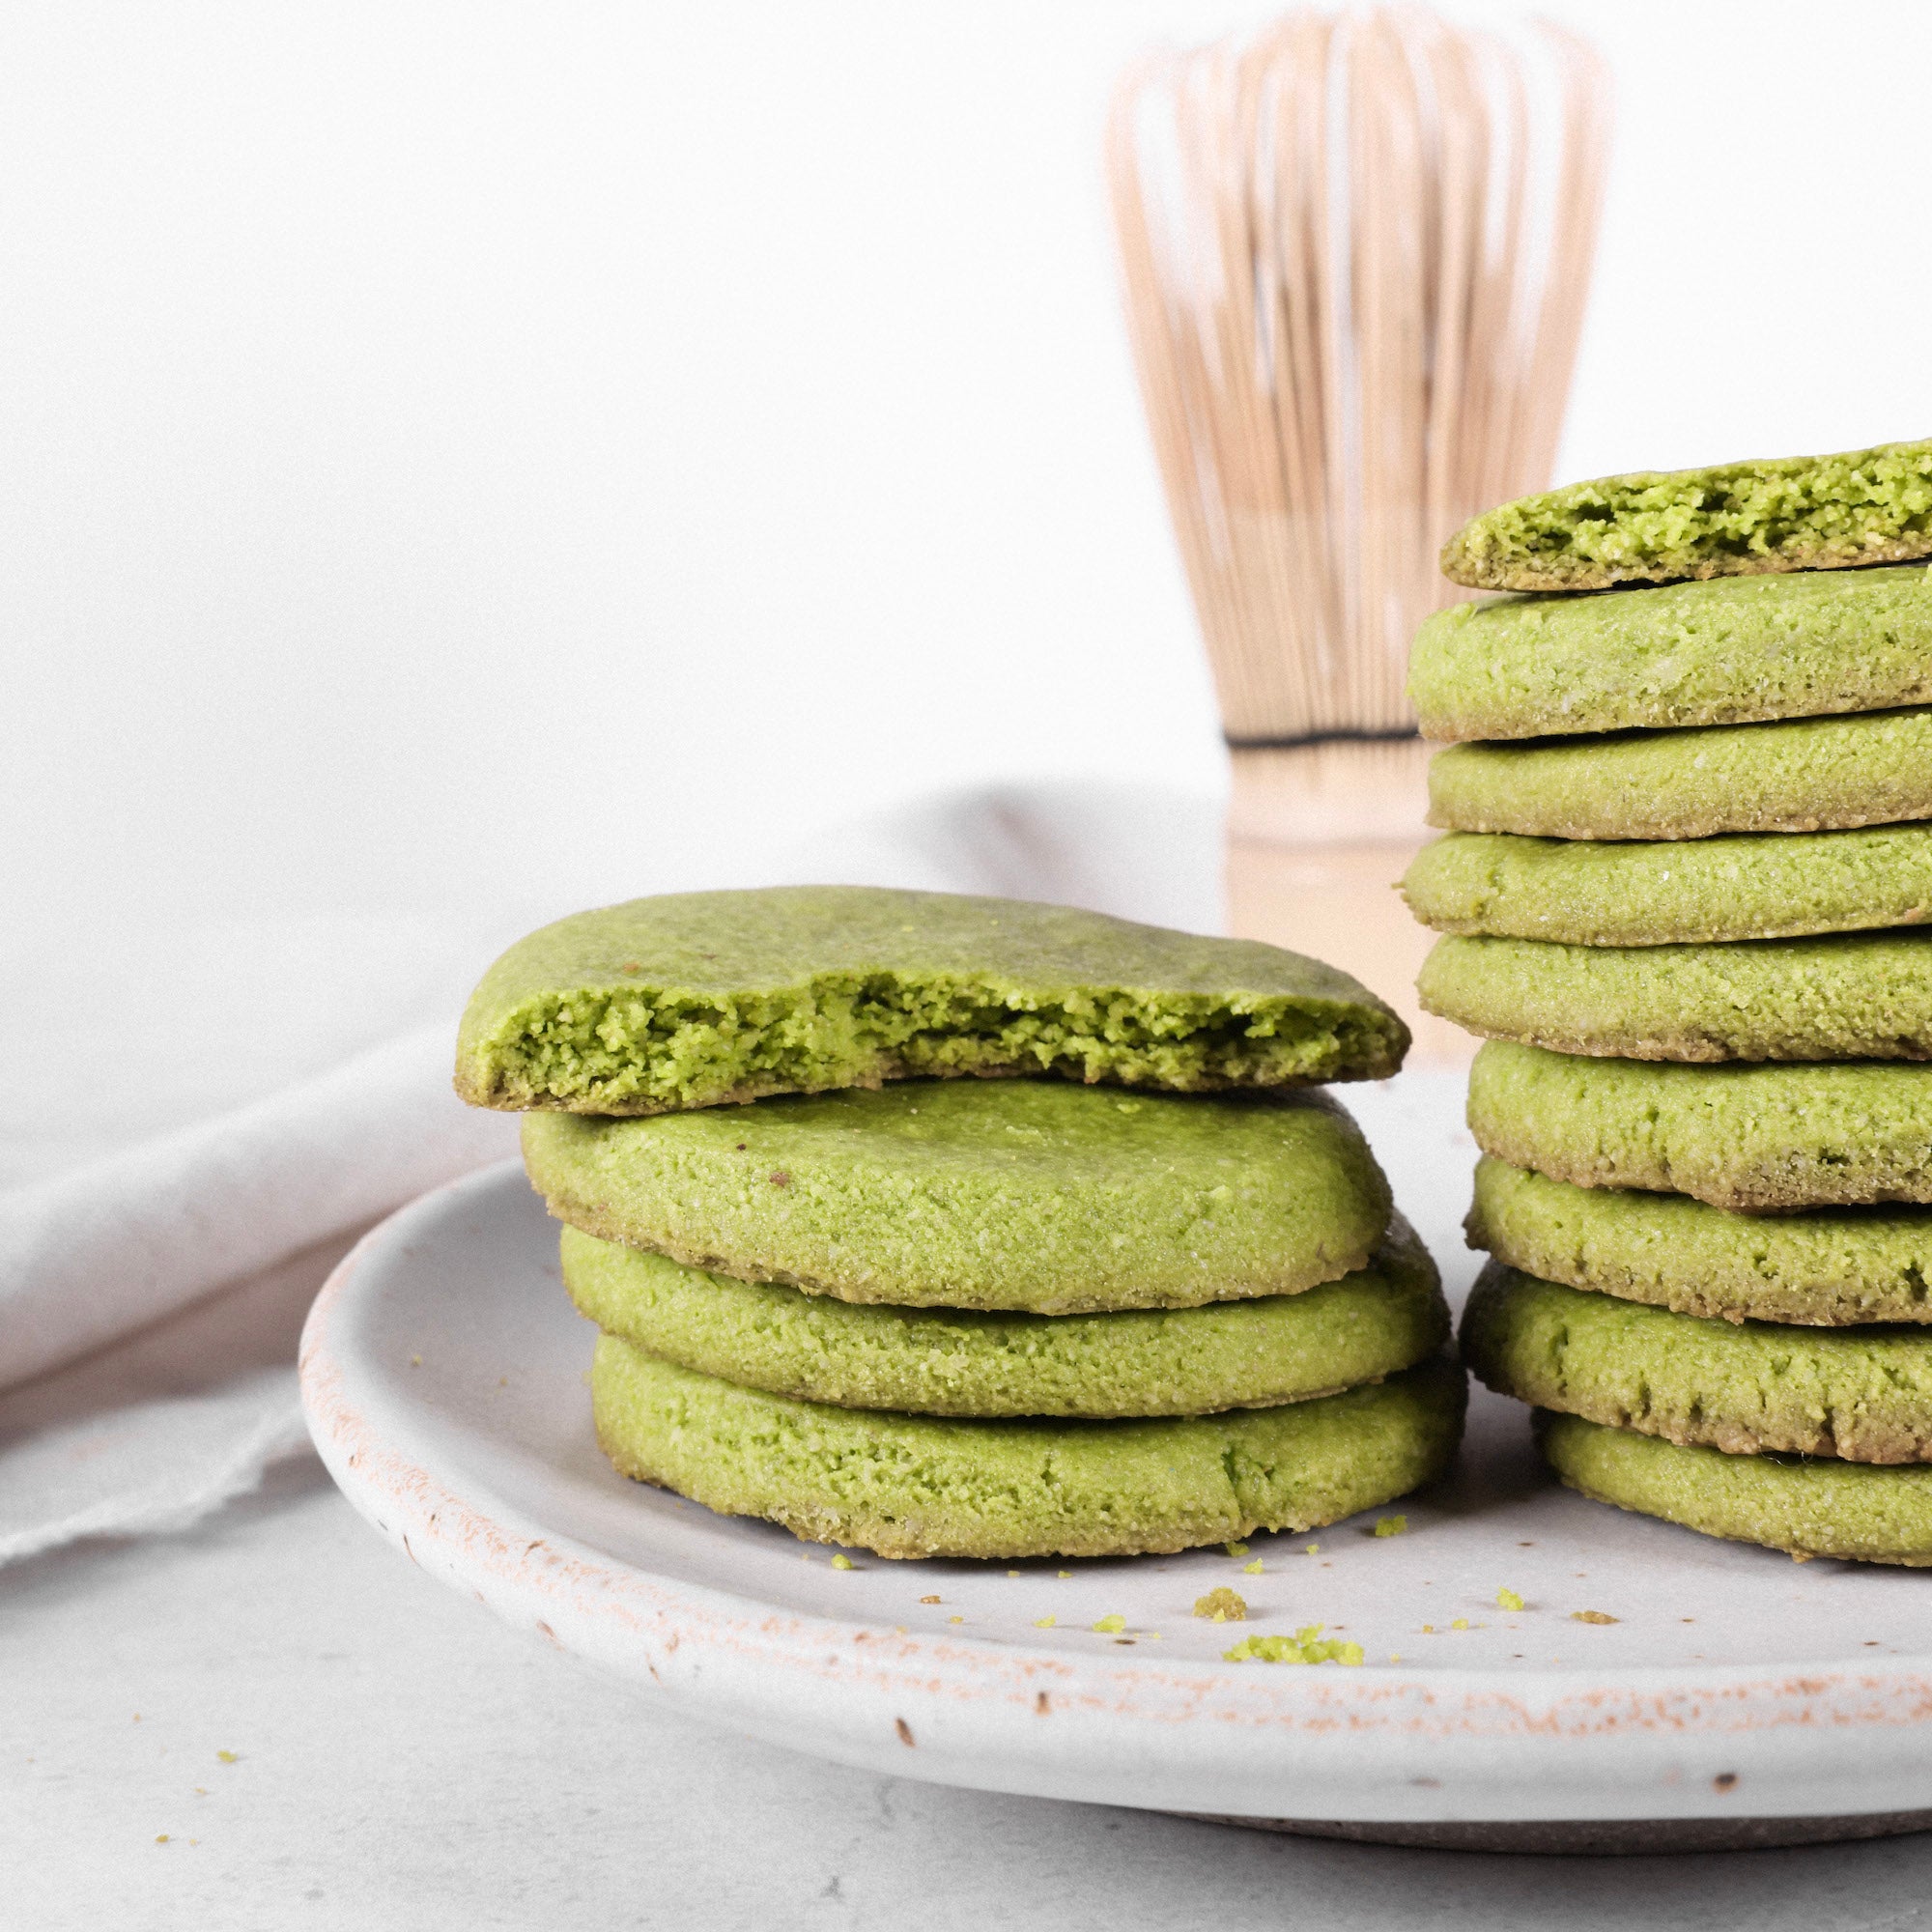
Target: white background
451,451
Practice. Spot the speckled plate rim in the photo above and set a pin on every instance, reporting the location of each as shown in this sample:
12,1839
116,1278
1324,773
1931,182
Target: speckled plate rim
1374,1744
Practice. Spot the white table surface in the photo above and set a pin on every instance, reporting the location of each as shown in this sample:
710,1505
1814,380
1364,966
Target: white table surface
402,1760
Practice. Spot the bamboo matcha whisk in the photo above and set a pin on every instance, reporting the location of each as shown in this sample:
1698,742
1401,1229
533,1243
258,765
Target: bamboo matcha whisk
1355,253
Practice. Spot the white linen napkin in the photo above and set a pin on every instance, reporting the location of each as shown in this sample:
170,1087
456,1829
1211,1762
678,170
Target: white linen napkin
152,1285
261,1201
90,1254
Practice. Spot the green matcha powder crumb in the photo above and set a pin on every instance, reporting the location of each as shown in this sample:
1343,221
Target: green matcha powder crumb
1306,1646
1223,1606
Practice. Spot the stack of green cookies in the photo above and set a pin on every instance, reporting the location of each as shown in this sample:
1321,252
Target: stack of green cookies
1151,1296
1689,861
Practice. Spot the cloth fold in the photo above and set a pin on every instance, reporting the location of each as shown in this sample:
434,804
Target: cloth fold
149,1466
91,1254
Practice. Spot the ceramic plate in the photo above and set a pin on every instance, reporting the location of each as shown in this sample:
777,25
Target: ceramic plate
1737,1698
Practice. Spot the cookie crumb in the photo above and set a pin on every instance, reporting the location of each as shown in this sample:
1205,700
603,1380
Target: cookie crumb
1253,1569
1392,1525
228,1757
1507,1599
1236,1548
841,1561
1592,1617
929,1600
1306,1646
1461,1624
1044,1622
1223,1606
1110,1626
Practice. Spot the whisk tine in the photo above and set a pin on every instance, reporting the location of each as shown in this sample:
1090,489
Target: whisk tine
1354,264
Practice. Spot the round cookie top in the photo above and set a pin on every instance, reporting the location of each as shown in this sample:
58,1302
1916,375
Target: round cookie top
701,999
1796,774
1823,1266
1811,1505
1843,996
1744,886
1862,1394
1009,1194
1737,1136
1725,519
1176,1361
932,1486
1719,653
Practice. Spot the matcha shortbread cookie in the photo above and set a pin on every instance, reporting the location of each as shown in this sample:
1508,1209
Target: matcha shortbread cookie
928,1486
1737,1136
1744,886
1842,996
1825,1266
1862,1394
1798,775
1721,653
1189,1361
1731,518
699,998
1028,1195
1811,1506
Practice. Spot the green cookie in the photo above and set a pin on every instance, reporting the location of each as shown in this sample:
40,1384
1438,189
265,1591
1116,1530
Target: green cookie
1738,1136
1810,1506
923,1486
1186,1362
1793,513
700,998
1843,996
1027,1195
1719,653
1862,1394
1800,775
1748,886
1828,1266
